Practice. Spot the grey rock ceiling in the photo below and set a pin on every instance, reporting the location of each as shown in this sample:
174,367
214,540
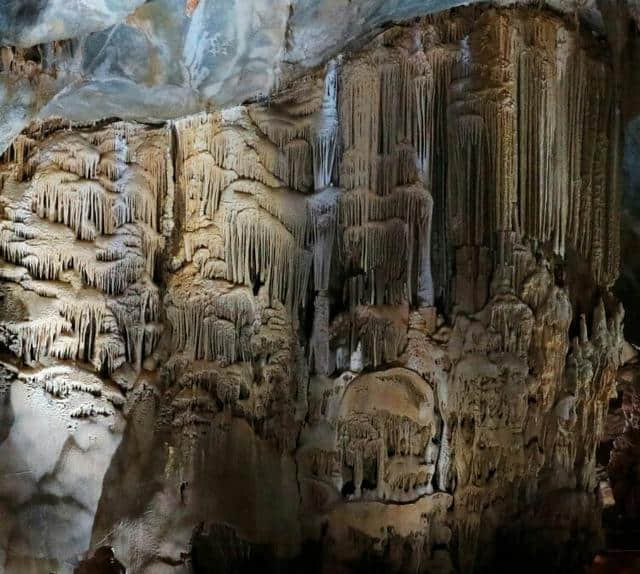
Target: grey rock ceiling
151,61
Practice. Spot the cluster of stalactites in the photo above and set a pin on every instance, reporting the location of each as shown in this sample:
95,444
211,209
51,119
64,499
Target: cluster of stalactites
532,145
304,132
210,320
259,248
246,182
386,106
85,228
567,136
514,150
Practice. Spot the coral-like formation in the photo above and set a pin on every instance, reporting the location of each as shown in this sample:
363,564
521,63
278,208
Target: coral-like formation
365,324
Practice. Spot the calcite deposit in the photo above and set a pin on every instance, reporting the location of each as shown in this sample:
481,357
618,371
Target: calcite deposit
365,324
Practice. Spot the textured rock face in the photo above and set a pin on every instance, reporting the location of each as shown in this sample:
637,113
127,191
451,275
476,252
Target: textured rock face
364,326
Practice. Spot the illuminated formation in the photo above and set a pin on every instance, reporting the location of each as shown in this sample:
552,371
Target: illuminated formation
366,322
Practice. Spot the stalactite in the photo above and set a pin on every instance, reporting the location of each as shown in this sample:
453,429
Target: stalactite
194,134
295,165
377,246
382,341
467,180
230,152
289,208
111,277
201,172
37,337
359,113
42,261
85,318
18,152
279,127
82,205
151,154
325,148
258,247
111,353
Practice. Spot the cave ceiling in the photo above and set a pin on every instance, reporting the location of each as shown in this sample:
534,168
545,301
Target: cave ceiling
161,59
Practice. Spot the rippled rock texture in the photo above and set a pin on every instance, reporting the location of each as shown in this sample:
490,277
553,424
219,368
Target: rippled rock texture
365,325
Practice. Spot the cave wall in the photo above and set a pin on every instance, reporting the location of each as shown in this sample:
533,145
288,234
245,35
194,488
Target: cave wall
364,324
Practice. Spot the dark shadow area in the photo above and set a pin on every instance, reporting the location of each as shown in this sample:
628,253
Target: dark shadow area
102,562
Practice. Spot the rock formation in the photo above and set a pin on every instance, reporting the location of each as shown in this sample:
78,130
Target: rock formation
365,323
